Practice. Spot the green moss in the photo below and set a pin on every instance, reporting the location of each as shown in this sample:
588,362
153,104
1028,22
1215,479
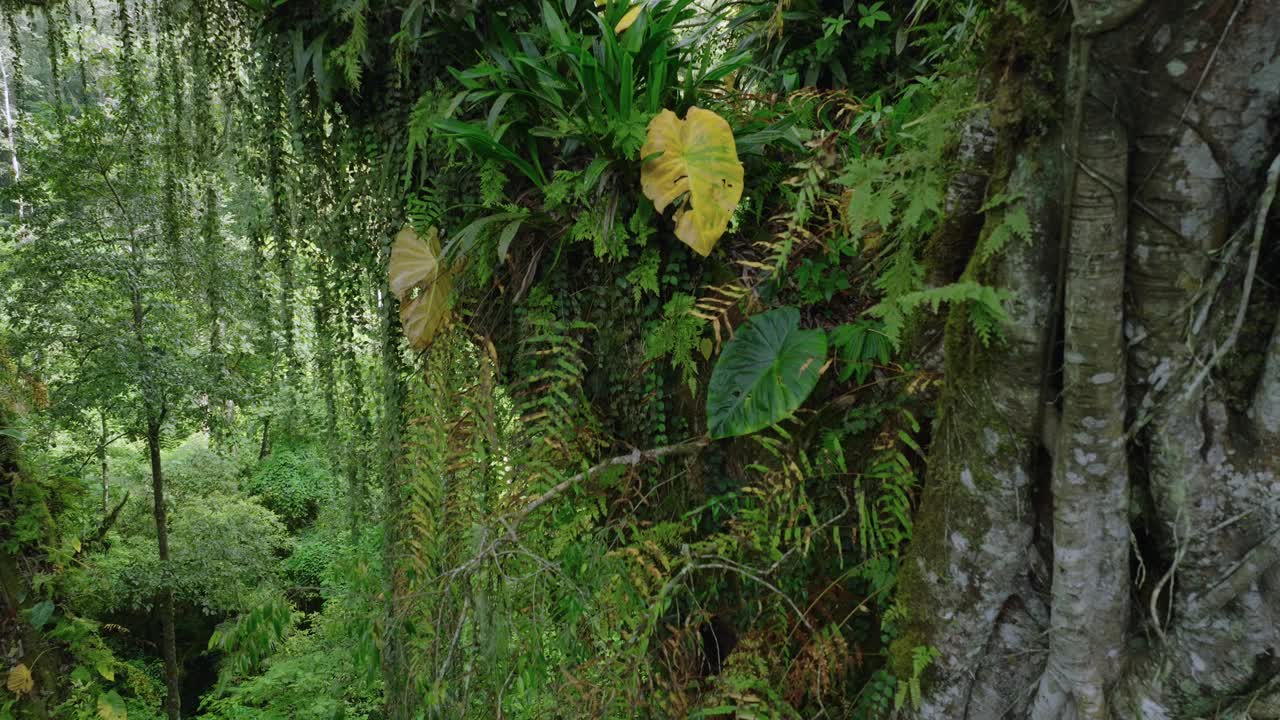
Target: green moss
900,655
1023,52
952,505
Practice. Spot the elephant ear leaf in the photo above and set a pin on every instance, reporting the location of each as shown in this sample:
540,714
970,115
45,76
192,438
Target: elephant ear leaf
695,158
414,261
765,372
421,283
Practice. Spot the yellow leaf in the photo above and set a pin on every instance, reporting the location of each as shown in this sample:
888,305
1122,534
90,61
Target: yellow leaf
629,19
105,670
416,263
20,682
413,260
423,317
698,158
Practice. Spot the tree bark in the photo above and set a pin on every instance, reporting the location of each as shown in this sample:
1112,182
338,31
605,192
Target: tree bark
153,408
264,447
1121,558
102,460
173,699
11,130
1090,482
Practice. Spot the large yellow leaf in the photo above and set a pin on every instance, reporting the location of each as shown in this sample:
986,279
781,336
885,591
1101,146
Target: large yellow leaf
20,682
416,264
424,316
698,158
413,260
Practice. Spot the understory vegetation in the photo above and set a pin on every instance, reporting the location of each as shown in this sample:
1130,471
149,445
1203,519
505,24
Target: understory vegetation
457,359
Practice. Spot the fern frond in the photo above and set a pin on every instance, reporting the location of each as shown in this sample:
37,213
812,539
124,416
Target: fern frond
986,308
1013,223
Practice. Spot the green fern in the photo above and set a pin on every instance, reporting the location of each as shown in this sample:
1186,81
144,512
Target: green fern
986,308
493,183
349,56
860,347
909,688
643,279
678,334
1014,222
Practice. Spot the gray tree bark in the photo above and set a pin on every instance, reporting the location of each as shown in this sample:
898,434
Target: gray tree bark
1099,536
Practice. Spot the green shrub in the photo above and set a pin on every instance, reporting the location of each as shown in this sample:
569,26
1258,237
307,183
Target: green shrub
221,549
293,482
314,554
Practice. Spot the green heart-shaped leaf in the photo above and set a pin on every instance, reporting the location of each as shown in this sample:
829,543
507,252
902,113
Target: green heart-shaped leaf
765,372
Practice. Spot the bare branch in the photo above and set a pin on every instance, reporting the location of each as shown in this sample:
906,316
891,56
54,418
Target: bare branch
634,458
1264,207
1257,561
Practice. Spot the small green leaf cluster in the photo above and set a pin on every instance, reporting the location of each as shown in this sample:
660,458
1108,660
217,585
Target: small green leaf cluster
571,82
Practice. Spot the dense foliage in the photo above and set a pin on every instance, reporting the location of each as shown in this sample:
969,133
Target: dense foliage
618,460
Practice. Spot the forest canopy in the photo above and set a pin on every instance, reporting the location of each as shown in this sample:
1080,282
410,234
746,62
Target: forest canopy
393,359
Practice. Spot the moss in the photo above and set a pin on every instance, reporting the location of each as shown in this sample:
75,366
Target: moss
961,484
1026,38
900,656
948,507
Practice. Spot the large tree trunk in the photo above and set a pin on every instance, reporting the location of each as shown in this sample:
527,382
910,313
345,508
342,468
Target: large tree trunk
1100,532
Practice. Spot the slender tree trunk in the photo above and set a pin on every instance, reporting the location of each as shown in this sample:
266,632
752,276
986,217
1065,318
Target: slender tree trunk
173,698
154,410
102,460
11,130
264,448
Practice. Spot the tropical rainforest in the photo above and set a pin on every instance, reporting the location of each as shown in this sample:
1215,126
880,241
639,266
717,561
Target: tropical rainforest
560,359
